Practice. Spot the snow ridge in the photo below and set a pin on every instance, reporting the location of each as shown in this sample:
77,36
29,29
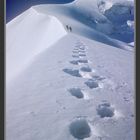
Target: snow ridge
39,28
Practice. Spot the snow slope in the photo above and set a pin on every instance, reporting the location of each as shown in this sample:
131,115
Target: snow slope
29,38
63,85
40,106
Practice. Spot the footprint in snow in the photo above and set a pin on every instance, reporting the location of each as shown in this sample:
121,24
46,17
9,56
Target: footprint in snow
95,82
86,69
82,48
92,84
82,54
98,78
80,129
83,61
86,72
75,56
81,51
72,72
105,110
74,62
78,62
75,51
78,93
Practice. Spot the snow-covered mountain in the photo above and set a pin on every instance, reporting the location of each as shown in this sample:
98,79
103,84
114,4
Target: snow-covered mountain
70,72
108,17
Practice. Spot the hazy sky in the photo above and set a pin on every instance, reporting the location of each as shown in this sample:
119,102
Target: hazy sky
15,7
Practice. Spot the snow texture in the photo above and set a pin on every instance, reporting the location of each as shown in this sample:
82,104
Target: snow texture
73,83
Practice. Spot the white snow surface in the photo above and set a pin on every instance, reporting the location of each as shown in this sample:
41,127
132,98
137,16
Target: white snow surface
33,33
63,85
